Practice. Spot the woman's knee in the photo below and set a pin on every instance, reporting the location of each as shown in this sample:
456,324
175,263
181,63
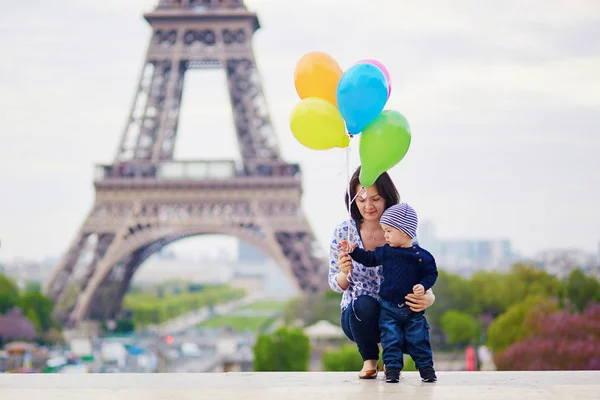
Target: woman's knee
367,305
366,311
345,321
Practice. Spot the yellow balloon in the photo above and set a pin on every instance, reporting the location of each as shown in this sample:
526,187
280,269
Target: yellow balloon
318,125
317,75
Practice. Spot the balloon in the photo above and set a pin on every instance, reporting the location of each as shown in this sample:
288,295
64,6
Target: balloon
383,144
317,75
361,96
318,125
383,69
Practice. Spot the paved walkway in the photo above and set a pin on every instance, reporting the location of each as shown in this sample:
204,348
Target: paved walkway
304,386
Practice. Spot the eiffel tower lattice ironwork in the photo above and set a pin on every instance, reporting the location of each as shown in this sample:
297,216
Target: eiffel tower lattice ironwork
145,199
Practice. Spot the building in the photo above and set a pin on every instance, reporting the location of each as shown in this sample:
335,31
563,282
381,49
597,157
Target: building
467,256
23,271
159,269
464,257
562,262
251,281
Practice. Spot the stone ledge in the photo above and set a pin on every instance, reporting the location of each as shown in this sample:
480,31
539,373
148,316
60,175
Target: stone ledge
580,385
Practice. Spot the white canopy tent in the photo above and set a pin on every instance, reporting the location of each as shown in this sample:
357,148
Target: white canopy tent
324,330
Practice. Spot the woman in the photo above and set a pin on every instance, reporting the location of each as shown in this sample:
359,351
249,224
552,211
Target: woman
359,284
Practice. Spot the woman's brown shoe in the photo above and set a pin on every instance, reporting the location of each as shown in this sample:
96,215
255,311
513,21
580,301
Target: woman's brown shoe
369,373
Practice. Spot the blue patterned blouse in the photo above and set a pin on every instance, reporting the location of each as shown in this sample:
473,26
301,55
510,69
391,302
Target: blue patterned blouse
368,279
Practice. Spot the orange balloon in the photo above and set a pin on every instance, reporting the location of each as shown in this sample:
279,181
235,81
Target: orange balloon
317,75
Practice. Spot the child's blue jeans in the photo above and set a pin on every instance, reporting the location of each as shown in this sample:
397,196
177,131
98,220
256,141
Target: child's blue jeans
402,328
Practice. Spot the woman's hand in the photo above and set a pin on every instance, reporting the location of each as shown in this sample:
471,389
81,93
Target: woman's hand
419,303
345,263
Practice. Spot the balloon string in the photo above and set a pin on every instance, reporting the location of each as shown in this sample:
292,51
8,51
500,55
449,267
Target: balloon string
348,190
362,188
358,284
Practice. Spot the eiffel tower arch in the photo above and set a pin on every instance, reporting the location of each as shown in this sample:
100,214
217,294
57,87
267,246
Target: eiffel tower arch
146,199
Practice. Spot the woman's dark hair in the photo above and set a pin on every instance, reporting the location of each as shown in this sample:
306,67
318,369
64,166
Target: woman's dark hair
385,187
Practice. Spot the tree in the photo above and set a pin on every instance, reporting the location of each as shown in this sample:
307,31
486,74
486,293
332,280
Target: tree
510,326
492,292
285,350
9,294
347,358
41,306
31,286
32,316
529,280
124,326
558,341
581,290
452,292
496,292
460,327
311,309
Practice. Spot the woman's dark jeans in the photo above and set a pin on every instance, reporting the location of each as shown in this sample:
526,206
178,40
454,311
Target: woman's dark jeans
360,322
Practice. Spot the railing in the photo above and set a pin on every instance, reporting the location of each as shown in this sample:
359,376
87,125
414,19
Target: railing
196,170
198,4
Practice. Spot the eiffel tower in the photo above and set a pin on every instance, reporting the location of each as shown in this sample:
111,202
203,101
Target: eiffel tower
145,199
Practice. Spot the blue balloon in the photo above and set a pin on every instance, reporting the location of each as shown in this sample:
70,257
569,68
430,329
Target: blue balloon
362,93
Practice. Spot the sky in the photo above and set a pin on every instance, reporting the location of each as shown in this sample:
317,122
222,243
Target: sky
503,99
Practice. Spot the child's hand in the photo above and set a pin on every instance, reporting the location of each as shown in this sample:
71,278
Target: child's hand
346,246
418,289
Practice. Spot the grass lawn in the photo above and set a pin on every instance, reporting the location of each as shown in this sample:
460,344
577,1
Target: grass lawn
267,311
265,305
253,324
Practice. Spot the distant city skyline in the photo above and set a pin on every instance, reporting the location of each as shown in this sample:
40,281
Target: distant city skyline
502,100
231,262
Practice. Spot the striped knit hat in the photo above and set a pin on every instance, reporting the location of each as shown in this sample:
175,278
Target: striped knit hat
403,217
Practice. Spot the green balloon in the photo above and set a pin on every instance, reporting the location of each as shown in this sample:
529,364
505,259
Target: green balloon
383,144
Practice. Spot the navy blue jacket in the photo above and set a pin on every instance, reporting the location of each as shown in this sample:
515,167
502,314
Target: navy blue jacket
403,267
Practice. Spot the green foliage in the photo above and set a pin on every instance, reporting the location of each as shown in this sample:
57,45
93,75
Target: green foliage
347,358
35,306
257,317
527,280
581,290
295,309
409,364
169,302
32,316
288,349
496,292
311,309
510,326
265,306
492,292
460,327
452,292
9,294
124,326
33,287
35,303
239,323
